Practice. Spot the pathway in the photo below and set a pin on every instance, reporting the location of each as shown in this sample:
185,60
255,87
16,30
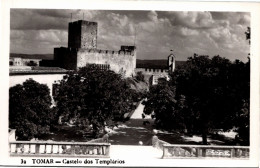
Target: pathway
131,133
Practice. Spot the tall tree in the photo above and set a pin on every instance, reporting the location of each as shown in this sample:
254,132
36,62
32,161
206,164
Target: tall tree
94,97
215,91
163,106
29,109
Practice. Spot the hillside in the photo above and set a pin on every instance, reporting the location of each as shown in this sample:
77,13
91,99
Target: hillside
160,64
33,56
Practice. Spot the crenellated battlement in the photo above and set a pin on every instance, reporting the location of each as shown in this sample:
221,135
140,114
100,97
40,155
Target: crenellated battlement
82,50
108,52
80,22
66,49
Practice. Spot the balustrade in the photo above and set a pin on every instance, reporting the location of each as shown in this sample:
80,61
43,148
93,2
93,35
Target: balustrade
195,151
66,149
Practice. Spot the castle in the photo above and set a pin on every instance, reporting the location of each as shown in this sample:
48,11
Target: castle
82,50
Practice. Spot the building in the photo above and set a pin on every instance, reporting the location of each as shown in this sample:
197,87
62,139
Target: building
82,50
153,74
17,61
47,76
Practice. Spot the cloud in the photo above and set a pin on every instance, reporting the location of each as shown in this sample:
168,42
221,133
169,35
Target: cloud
33,41
45,19
193,20
154,32
31,20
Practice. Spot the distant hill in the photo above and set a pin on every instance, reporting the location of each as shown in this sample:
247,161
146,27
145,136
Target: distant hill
160,64
33,56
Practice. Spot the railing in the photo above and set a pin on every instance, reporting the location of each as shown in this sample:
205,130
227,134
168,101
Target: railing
157,143
61,149
195,151
104,139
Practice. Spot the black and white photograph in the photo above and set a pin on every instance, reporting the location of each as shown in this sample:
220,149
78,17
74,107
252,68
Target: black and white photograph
127,87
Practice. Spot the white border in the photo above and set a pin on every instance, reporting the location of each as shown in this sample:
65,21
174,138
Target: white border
254,8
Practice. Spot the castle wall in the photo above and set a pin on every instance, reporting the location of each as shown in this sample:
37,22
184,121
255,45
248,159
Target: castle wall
151,71
89,35
151,75
66,57
120,61
74,35
82,34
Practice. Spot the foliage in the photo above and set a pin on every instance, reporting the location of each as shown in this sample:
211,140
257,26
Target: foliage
216,93
29,109
31,63
95,98
203,95
140,76
248,34
163,106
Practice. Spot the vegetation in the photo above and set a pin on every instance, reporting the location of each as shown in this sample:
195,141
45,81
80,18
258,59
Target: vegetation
140,76
29,110
32,63
248,34
162,105
203,95
94,98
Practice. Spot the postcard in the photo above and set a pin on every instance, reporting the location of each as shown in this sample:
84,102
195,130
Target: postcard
130,83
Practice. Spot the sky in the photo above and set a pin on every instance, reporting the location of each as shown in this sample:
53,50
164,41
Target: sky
155,33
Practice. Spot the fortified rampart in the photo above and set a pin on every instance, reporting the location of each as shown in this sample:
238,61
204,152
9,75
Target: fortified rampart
66,57
82,50
82,34
123,62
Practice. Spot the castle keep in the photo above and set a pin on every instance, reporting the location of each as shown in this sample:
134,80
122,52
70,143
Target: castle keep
82,50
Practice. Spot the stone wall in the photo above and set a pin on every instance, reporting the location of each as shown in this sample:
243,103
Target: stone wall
120,61
65,57
151,71
89,35
82,34
151,75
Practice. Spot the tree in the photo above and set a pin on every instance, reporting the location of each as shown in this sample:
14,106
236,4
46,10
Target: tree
248,34
29,109
215,92
240,89
95,98
31,63
139,76
163,106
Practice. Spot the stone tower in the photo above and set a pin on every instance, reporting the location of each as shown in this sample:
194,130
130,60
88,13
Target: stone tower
82,34
171,62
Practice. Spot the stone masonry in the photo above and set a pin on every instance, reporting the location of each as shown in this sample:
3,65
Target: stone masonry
82,50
